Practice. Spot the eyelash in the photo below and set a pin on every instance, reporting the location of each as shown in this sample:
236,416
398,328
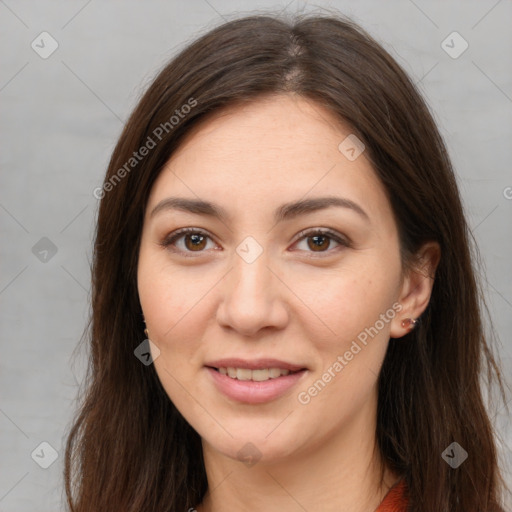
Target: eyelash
173,237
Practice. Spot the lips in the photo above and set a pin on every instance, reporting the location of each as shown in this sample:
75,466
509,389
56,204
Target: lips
256,381
253,391
259,375
255,364
258,370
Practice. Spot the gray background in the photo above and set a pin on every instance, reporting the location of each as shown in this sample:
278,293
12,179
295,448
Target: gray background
61,116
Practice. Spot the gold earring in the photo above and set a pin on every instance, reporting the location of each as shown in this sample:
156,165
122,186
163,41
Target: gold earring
146,333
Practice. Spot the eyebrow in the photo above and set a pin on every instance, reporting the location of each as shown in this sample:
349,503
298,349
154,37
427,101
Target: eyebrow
284,212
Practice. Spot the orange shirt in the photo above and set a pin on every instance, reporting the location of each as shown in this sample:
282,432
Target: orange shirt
396,499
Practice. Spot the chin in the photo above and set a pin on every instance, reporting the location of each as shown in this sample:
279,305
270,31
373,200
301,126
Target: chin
251,443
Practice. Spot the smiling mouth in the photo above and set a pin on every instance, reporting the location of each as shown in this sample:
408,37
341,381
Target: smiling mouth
258,375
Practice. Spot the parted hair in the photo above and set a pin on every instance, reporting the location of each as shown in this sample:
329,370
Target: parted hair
128,447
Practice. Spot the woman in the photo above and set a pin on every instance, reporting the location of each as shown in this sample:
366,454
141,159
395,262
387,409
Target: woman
281,221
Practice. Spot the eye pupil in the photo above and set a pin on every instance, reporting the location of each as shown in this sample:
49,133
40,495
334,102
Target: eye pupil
196,239
317,246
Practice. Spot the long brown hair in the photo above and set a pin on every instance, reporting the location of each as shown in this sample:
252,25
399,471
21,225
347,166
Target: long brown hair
129,449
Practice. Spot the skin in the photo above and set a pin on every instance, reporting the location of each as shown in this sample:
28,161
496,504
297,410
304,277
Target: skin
292,303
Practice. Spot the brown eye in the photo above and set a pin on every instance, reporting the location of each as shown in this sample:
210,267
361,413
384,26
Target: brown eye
187,241
320,241
195,242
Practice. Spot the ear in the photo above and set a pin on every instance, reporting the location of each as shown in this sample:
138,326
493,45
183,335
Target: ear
416,287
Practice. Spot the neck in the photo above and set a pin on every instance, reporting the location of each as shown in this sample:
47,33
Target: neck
342,472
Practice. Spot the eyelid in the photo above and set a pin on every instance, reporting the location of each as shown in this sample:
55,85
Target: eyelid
340,239
170,239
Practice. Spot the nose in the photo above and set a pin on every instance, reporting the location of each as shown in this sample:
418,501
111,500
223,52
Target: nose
253,297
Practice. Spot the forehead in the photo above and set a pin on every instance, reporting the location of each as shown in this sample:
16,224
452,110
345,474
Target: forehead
266,126
275,149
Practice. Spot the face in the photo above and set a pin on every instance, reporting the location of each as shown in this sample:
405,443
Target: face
258,287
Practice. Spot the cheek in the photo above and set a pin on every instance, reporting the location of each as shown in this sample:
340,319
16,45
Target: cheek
350,342
174,314
344,303
170,297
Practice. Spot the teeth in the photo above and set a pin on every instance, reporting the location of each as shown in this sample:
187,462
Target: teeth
274,372
262,374
255,375
243,374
